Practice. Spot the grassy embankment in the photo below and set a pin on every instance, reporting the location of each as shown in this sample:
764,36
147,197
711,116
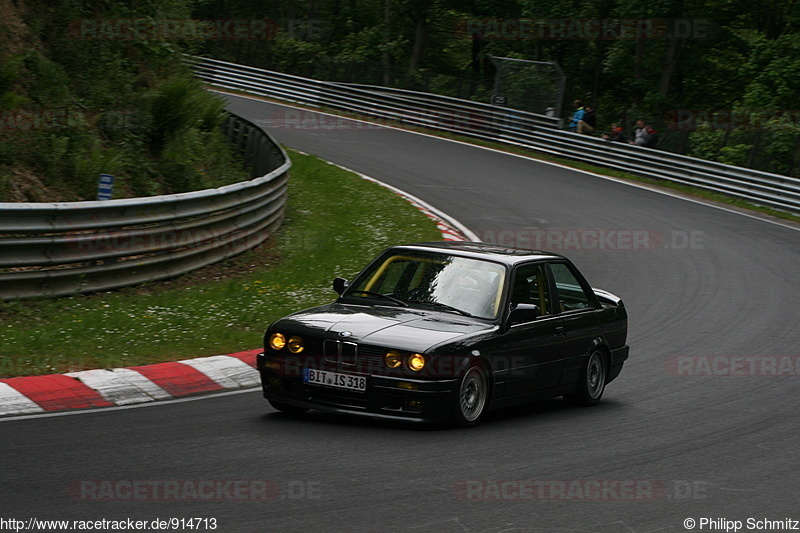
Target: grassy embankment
335,223
73,107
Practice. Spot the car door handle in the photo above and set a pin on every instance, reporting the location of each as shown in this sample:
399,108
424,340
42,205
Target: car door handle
561,332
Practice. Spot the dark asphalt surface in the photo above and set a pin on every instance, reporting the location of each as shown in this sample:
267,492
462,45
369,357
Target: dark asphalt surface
662,446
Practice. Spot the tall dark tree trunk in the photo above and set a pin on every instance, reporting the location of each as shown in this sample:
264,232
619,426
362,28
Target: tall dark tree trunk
598,72
667,73
794,160
477,52
420,42
772,20
386,56
638,55
752,154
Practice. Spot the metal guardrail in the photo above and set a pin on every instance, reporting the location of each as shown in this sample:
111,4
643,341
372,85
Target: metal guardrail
520,128
408,107
56,249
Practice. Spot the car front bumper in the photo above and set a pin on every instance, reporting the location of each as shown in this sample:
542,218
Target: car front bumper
390,398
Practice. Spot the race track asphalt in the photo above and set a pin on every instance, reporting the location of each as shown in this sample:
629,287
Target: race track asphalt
699,424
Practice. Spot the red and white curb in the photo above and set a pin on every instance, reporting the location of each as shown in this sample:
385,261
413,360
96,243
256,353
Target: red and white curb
126,386
164,381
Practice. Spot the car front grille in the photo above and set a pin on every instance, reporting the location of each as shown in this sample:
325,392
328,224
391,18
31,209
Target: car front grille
346,356
340,352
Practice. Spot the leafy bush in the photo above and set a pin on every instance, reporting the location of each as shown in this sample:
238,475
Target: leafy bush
128,108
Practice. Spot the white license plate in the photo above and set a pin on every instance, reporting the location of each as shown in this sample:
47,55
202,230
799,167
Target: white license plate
334,379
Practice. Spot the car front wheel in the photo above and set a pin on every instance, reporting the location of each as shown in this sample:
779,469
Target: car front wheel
473,395
591,382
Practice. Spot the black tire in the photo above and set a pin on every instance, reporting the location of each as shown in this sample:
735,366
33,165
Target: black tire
591,382
472,398
288,409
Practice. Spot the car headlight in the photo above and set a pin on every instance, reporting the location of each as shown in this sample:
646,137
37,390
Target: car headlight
415,362
393,359
277,341
295,344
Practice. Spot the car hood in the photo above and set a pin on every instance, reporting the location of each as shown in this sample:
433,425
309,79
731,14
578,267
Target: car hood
391,327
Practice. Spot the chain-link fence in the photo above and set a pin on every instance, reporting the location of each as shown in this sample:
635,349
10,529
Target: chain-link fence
534,86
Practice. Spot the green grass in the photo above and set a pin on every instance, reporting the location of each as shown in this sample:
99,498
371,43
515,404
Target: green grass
335,224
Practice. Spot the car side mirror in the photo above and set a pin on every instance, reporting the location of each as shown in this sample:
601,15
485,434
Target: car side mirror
339,285
521,313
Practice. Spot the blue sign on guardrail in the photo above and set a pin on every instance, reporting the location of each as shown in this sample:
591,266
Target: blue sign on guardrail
105,187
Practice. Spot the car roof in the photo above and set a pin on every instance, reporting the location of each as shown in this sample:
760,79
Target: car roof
479,250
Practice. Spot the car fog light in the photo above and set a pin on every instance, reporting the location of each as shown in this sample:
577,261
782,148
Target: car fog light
393,359
295,345
277,341
415,362
414,405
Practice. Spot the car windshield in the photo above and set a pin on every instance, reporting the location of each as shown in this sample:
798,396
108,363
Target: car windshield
433,280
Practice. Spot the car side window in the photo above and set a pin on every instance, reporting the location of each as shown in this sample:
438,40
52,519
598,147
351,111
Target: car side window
530,287
571,295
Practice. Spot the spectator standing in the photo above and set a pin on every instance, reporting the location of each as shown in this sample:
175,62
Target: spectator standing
577,116
588,123
639,133
650,138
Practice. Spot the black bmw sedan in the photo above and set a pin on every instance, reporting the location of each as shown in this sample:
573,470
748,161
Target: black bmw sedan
444,332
